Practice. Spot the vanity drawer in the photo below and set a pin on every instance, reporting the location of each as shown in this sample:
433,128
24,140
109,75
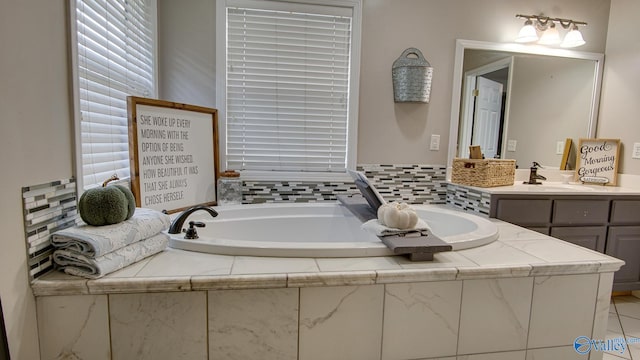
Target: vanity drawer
524,211
625,212
570,212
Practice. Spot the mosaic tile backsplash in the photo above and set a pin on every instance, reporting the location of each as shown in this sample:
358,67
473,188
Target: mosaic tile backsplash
471,200
415,184
47,208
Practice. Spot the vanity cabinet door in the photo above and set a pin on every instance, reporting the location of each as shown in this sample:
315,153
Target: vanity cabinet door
591,237
623,243
570,212
524,212
625,212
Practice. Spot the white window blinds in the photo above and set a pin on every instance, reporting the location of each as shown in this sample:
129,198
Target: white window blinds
287,88
115,48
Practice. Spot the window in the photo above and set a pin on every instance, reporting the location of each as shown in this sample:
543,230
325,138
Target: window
288,101
114,58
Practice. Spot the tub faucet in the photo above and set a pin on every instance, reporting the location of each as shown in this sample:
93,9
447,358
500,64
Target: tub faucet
534,176
176,225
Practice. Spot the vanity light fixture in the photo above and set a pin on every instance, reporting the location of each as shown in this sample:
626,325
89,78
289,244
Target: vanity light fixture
549,33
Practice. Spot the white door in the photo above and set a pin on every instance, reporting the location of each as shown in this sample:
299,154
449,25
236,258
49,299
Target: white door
486,123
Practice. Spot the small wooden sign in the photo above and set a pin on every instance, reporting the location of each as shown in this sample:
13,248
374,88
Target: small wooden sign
597,161
173,154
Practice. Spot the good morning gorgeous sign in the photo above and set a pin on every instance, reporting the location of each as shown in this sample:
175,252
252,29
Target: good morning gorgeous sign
598,161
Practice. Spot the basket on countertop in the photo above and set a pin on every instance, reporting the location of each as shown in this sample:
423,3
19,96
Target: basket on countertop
483,172
411,77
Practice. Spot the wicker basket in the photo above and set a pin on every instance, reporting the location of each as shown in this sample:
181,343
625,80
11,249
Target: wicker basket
483,172
411,77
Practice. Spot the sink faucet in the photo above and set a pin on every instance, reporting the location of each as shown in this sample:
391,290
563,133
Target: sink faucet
176,225
534,176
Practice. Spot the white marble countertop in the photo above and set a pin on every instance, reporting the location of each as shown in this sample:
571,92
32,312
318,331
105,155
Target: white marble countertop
517,253
555,188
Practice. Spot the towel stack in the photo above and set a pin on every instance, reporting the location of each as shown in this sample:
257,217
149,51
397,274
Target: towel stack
94,251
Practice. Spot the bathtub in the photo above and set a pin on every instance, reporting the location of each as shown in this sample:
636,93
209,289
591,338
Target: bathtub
325,229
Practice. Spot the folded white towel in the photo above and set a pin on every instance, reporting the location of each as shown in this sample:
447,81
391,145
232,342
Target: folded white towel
95,241
74,263
374,226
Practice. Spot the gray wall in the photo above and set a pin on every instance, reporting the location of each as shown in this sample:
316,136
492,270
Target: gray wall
620,101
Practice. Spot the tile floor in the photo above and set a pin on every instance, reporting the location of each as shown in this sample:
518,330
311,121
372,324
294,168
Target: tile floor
624,322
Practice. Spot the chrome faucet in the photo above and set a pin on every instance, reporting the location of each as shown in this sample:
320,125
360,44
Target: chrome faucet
534,176
176,225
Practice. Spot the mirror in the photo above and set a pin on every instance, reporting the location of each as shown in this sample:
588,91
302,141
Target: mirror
522,102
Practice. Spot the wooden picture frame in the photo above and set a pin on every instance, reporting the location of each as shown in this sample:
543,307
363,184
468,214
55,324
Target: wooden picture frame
565,154
597,161
173,154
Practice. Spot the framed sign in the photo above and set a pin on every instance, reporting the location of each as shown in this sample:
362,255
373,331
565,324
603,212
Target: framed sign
597,161
173,152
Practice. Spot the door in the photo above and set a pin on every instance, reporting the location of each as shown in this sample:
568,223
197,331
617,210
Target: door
487,116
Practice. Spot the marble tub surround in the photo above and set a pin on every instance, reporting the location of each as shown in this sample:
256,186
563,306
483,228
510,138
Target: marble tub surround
525,296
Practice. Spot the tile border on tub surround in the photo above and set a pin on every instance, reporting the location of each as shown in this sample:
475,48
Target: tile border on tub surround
415,184
47,208
467,199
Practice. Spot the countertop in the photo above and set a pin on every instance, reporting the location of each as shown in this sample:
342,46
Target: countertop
517,253
555,188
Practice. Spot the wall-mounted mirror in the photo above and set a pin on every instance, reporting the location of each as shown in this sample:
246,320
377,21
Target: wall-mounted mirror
522,102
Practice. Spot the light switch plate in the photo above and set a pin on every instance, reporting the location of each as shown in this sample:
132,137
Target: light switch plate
559,147
435,142
636,151
511,145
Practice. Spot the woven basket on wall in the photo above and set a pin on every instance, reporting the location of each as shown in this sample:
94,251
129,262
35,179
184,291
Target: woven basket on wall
483,172
411,77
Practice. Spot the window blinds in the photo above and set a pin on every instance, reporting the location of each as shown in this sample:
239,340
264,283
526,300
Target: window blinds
287,89
115,48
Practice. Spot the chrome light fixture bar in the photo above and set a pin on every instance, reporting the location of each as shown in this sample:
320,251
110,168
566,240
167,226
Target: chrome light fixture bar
547,27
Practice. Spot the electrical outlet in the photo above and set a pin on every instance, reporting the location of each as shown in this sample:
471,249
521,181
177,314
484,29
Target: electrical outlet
435,142
636,151
559,147
511,145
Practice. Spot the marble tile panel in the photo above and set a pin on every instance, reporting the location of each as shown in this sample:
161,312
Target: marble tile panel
59,283
231,282
513,232
554,353
131,270
272,265
562,309
447,259
507,355
173,262
416,275
556,251
73,327
158,326
253,324
421,319
604,306
566,268
331,279
359,264
498,253
498,271
139,285
341,322
494,315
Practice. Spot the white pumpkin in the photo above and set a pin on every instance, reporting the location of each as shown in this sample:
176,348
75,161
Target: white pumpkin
397,215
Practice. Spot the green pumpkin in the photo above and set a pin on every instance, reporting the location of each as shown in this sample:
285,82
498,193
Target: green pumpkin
106,205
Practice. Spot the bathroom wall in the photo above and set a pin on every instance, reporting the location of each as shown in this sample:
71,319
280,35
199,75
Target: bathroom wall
36,145
620,108
35,101
389,27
